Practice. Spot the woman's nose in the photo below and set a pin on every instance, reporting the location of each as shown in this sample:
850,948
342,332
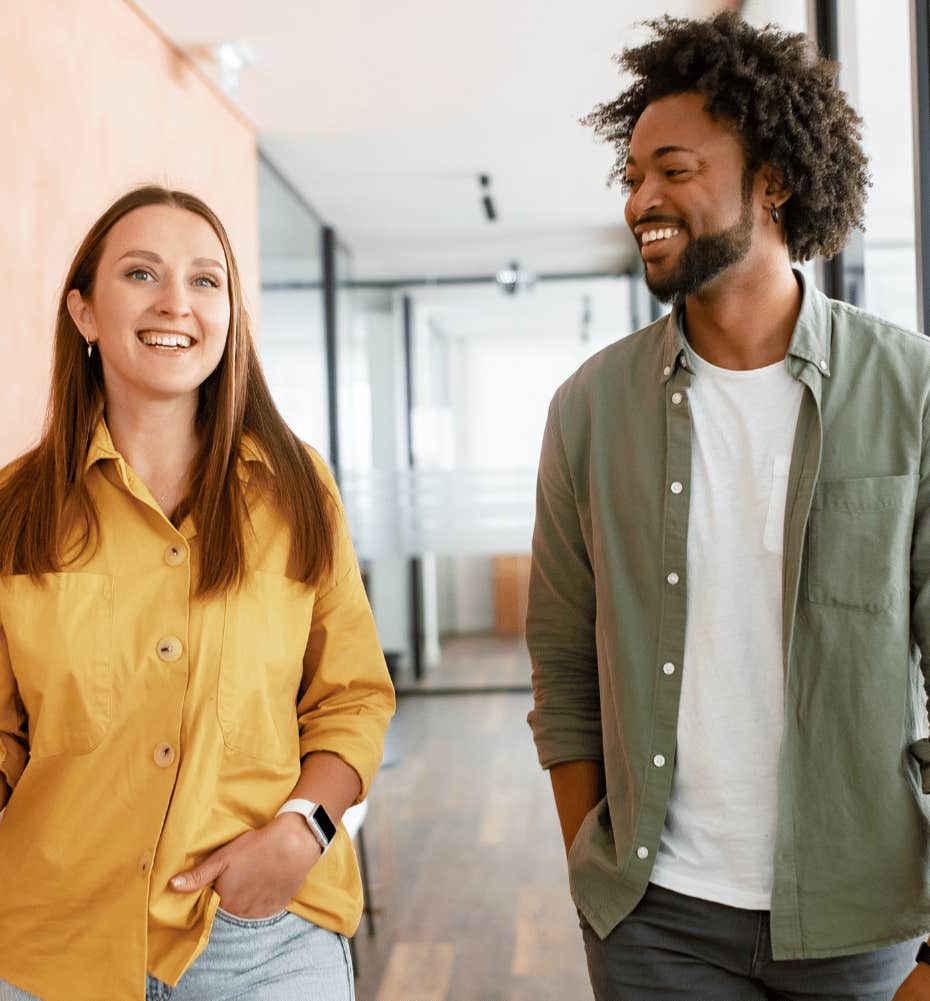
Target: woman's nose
174,300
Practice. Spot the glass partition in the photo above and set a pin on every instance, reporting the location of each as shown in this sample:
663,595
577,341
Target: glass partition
291,337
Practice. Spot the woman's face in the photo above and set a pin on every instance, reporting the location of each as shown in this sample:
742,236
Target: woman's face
159,308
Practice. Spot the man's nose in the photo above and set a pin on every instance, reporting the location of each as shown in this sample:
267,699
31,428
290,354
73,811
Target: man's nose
646,198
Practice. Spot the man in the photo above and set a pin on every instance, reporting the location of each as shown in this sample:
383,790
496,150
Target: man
730,592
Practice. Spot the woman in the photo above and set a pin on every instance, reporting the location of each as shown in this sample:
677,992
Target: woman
185,648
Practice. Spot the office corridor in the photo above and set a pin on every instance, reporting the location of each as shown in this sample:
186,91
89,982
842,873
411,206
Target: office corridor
468,872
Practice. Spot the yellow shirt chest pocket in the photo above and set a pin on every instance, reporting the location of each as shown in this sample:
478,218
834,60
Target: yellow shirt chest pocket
267,624
59,632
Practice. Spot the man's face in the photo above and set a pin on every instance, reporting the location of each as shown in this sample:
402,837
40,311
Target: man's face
690,203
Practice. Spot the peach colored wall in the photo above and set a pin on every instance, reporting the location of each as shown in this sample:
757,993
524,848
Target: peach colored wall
94,101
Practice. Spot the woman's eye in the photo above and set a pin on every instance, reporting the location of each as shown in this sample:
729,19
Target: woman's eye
675,172
140,274
206,281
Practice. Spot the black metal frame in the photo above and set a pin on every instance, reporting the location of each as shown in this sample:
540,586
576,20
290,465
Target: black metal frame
920,68
826,30
415,565
330,333
393,284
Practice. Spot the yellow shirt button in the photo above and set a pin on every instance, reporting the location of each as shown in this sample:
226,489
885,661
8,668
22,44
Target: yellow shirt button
169,648
164,755
176,554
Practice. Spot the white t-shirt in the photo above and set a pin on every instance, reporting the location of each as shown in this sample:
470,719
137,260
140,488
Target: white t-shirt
719,837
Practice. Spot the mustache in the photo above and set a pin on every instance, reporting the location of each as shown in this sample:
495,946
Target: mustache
649,219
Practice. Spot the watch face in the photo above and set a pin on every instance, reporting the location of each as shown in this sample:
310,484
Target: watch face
324,823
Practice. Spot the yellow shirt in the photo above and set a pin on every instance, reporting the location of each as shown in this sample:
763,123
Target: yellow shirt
142,727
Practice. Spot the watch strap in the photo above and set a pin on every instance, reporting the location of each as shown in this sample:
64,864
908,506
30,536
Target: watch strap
318,820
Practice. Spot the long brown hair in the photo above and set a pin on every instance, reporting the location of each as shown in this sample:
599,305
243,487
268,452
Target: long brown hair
46,494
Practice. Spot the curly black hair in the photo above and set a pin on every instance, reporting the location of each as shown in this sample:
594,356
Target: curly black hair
781,98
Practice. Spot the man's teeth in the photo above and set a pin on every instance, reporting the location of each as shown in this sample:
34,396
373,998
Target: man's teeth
165,340
658,234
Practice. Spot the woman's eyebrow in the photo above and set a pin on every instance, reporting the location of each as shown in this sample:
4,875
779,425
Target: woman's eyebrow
198,262
207,262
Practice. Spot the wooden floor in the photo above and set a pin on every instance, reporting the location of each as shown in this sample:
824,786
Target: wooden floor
476,661
467,867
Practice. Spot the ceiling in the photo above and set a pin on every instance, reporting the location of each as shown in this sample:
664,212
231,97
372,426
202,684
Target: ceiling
382,116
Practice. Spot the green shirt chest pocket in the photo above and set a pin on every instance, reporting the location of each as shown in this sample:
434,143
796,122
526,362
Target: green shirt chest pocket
59,633
859,539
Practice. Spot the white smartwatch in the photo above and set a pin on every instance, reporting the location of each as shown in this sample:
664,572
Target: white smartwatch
318,820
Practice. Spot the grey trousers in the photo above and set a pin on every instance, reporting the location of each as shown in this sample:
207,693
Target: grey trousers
678,948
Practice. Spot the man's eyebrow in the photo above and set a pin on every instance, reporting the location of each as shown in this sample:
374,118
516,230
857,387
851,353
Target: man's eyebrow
198,262
665,150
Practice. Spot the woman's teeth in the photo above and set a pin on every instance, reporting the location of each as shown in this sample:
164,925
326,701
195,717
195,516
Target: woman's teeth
165,340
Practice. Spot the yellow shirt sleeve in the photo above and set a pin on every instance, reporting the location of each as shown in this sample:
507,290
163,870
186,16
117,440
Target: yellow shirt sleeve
346,698
13,726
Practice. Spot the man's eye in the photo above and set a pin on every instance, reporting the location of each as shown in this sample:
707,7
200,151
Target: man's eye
629,183
675,171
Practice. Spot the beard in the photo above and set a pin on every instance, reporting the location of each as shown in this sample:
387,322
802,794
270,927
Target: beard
705,257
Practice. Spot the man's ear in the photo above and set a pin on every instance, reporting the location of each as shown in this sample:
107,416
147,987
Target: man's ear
776,191
82,314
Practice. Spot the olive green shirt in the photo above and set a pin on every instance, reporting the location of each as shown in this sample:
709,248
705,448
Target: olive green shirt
608,608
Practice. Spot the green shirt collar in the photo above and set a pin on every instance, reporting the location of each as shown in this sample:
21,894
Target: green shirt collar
810,340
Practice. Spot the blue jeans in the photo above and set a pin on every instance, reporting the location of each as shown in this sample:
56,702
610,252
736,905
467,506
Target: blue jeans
281,958
679,948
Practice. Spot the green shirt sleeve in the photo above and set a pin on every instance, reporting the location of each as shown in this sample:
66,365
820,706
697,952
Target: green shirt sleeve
566,720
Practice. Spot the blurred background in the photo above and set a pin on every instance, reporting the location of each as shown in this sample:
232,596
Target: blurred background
429,249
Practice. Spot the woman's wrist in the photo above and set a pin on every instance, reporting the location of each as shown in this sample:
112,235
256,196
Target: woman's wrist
296,837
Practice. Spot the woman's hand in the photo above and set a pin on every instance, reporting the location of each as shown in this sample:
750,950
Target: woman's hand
259,873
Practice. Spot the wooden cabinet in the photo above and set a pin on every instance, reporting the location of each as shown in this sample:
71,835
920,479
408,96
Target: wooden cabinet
511,590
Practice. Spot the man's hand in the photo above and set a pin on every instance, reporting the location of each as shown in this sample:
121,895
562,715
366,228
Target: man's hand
258,873
917,985
578,787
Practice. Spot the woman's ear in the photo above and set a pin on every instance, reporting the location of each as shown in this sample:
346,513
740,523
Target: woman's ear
82,315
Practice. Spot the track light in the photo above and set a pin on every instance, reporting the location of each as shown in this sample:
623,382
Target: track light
511,279
484,183
232,58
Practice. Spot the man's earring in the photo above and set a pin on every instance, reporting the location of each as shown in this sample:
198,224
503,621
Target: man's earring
775,215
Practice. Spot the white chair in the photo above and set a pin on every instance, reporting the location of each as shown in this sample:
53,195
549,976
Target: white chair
353,821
